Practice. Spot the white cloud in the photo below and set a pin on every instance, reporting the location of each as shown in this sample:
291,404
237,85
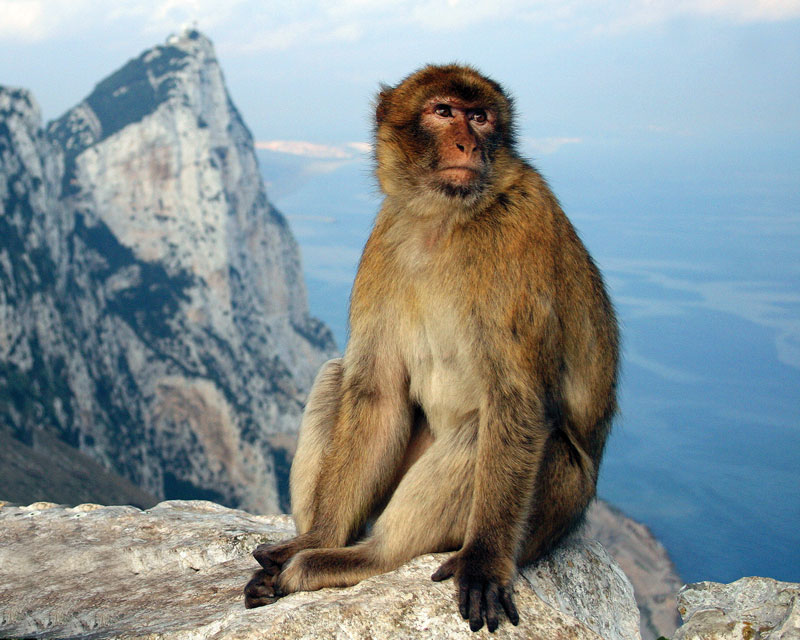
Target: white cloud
642,13
751,10
21,20
306,149
360,147
160,17
247,25
36,20
302,148
546,146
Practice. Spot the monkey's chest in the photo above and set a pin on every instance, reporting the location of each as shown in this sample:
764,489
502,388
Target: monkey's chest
443,376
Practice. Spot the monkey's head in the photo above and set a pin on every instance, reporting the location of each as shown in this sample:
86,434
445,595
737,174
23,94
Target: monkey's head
443,130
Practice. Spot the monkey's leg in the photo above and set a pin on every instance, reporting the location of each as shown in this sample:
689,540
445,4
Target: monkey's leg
563,491
352,446
319,415
367,445
428,512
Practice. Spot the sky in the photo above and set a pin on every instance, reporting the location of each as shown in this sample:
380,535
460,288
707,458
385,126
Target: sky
308,70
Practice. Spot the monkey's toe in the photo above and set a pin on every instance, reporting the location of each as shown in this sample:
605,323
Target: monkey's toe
261,590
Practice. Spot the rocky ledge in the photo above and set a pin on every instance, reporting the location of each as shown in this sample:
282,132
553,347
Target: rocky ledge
749,609
177,571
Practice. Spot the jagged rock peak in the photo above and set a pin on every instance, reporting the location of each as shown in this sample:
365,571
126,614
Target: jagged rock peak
172,71
152,295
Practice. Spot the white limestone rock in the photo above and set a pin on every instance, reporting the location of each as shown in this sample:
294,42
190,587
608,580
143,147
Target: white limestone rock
748,609
177,571
154,312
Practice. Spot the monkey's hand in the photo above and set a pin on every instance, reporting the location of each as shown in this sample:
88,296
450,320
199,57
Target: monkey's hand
481,591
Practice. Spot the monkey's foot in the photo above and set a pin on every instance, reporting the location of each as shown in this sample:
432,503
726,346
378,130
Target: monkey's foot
273,556
262,589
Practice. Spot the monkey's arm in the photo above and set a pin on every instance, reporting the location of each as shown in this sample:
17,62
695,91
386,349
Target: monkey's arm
508,454
511,438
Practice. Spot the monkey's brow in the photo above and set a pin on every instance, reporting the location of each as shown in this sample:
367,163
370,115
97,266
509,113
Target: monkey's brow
454,101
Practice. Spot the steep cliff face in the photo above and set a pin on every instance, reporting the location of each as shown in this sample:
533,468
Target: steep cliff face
35,348
151,284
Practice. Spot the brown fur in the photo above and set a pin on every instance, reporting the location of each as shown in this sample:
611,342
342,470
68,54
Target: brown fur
472,404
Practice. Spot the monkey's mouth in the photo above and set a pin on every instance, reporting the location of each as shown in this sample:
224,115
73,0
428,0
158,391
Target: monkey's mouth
459,174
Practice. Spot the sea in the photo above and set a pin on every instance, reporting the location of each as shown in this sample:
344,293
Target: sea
699,244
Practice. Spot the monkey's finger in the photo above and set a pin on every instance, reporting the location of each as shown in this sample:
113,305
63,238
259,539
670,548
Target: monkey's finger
475,597
252,603
506,597
463,599
492,606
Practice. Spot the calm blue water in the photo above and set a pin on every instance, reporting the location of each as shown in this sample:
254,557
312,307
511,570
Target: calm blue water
700,246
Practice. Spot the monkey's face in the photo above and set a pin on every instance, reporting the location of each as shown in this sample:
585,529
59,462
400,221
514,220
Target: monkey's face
458,153
440,131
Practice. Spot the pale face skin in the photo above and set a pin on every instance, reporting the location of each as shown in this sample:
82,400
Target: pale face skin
460,128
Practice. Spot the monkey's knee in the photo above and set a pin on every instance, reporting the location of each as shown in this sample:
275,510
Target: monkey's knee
564,493
321,409
327,383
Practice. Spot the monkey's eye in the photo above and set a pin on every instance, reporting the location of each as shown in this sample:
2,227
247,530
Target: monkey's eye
443,110
477,115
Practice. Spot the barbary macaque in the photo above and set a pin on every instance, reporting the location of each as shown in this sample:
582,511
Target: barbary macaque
471,407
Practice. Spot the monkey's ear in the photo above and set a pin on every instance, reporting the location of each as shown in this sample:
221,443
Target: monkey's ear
382,110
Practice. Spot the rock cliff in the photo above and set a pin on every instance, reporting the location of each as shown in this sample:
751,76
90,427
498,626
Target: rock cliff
177,571
646,563
152,308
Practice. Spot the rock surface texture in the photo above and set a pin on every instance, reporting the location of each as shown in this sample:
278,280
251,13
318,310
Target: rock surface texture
749,609
178,569
152,308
